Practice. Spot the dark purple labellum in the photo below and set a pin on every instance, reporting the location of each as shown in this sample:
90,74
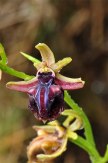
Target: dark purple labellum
47,98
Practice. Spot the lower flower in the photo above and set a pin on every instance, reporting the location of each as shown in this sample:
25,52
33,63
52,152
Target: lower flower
49,144
51,140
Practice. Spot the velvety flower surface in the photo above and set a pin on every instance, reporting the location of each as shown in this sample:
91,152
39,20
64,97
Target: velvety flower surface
46,90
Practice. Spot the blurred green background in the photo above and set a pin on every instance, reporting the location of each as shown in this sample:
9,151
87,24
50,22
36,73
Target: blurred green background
75,28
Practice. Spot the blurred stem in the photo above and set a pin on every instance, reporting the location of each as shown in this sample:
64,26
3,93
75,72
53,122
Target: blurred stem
13,72
87,143
3,54
93,153
87,126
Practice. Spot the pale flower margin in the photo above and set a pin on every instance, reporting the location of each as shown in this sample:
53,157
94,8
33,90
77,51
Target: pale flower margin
46,90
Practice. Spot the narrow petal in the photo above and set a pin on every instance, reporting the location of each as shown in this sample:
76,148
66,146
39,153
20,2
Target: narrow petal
46,53
68,83
22,86
60,64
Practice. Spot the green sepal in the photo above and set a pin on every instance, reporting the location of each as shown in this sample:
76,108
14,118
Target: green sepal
29,57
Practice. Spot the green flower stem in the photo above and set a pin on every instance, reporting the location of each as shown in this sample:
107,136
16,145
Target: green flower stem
105,158
13,72
94,155
87,126
3,54
87,143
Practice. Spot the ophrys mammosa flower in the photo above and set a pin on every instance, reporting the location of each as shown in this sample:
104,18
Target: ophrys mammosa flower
46,90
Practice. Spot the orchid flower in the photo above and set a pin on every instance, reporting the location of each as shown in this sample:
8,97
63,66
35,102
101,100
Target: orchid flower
51,140
46,90
50,143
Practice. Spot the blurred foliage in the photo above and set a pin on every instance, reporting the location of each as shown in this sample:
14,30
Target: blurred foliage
76,28
8,121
